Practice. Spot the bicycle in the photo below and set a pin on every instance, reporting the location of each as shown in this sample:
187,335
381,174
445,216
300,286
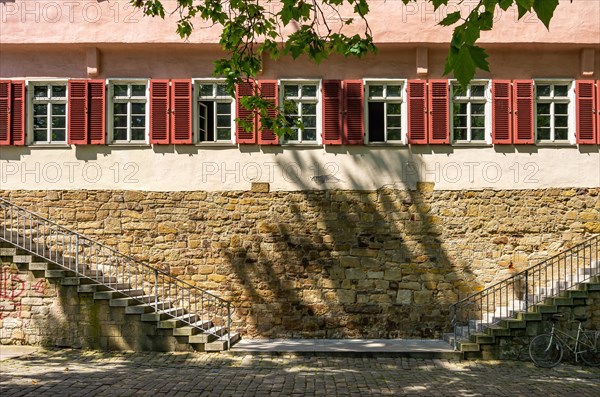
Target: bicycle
547,350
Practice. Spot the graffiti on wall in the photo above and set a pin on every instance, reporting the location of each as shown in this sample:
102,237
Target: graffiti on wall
12,288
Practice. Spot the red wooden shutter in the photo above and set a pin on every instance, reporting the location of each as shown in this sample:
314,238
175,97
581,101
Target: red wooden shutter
4,112
159,111
501,109
598,112
17,122
438,108
78,112
586,118
268,90
181,112
332,112
417,112
247,88
96,112
354,126
523,112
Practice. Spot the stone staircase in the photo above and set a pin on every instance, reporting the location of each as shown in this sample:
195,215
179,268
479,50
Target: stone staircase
517,319
197,317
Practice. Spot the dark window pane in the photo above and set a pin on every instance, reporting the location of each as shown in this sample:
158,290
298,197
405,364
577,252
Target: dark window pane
58,122
309,134
309,121
375,91
309,109
223,108
138,90
561,134
290,91
394,91
561,90
477,134
543,121
543,90
460,121
460,134
40,109
477,121
293,135
458,91
58,135
120,108
376,124
138,134
477,90
222,90
138,121
223,134
138,108
206,90
223,121
477,108
561,121
543,133
394,135
120,121
561,108
543,108
393,121
120,134
58,109
120,90
393,108
40,91
40,135
309,91
59,91
40,122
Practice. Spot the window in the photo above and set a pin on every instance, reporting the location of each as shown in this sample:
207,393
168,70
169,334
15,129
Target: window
384,112
215,114
128,116
48,116
552,103
469,113
303,98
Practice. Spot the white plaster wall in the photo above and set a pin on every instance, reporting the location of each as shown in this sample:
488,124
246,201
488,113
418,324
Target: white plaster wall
186,168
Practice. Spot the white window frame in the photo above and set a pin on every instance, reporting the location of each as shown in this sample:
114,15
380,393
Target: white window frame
487,95
196,83
571,117
30,86
403,109
319,122
110,113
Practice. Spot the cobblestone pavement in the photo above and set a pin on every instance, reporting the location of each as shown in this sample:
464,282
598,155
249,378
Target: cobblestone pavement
80,373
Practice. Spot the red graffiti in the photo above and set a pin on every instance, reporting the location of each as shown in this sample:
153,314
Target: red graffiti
39,287
11,285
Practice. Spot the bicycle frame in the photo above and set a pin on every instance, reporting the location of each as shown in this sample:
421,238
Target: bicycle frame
581,340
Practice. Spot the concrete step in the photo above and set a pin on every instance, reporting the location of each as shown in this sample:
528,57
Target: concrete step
121,293
545,308
146,308
180,321
163,314
130,301
194,329
221,343
464,346
482,339
528,316
497,330
513,323
209,335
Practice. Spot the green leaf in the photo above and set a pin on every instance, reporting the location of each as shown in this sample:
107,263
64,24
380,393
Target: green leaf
464,66
505,4
438,3
450,19
545,10
486,20
479,57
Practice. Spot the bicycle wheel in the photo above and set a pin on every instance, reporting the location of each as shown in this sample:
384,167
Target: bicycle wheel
591,342
545,351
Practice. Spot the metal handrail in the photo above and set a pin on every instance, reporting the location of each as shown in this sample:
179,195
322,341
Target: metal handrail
517,293
148,285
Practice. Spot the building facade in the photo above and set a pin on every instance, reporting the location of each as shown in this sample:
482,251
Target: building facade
402,193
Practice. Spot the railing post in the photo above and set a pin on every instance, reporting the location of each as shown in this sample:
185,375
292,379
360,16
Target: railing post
454,326
156,289
228,325
77,253
527,290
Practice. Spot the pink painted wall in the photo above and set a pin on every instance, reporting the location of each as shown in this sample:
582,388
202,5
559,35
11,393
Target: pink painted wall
115,21
186,61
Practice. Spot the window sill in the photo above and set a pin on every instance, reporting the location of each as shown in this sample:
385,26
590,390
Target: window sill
50,145
301,144
214,144
385,144
472,144
124,144
556,144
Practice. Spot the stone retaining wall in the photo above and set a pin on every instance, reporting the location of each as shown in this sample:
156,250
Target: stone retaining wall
336,264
